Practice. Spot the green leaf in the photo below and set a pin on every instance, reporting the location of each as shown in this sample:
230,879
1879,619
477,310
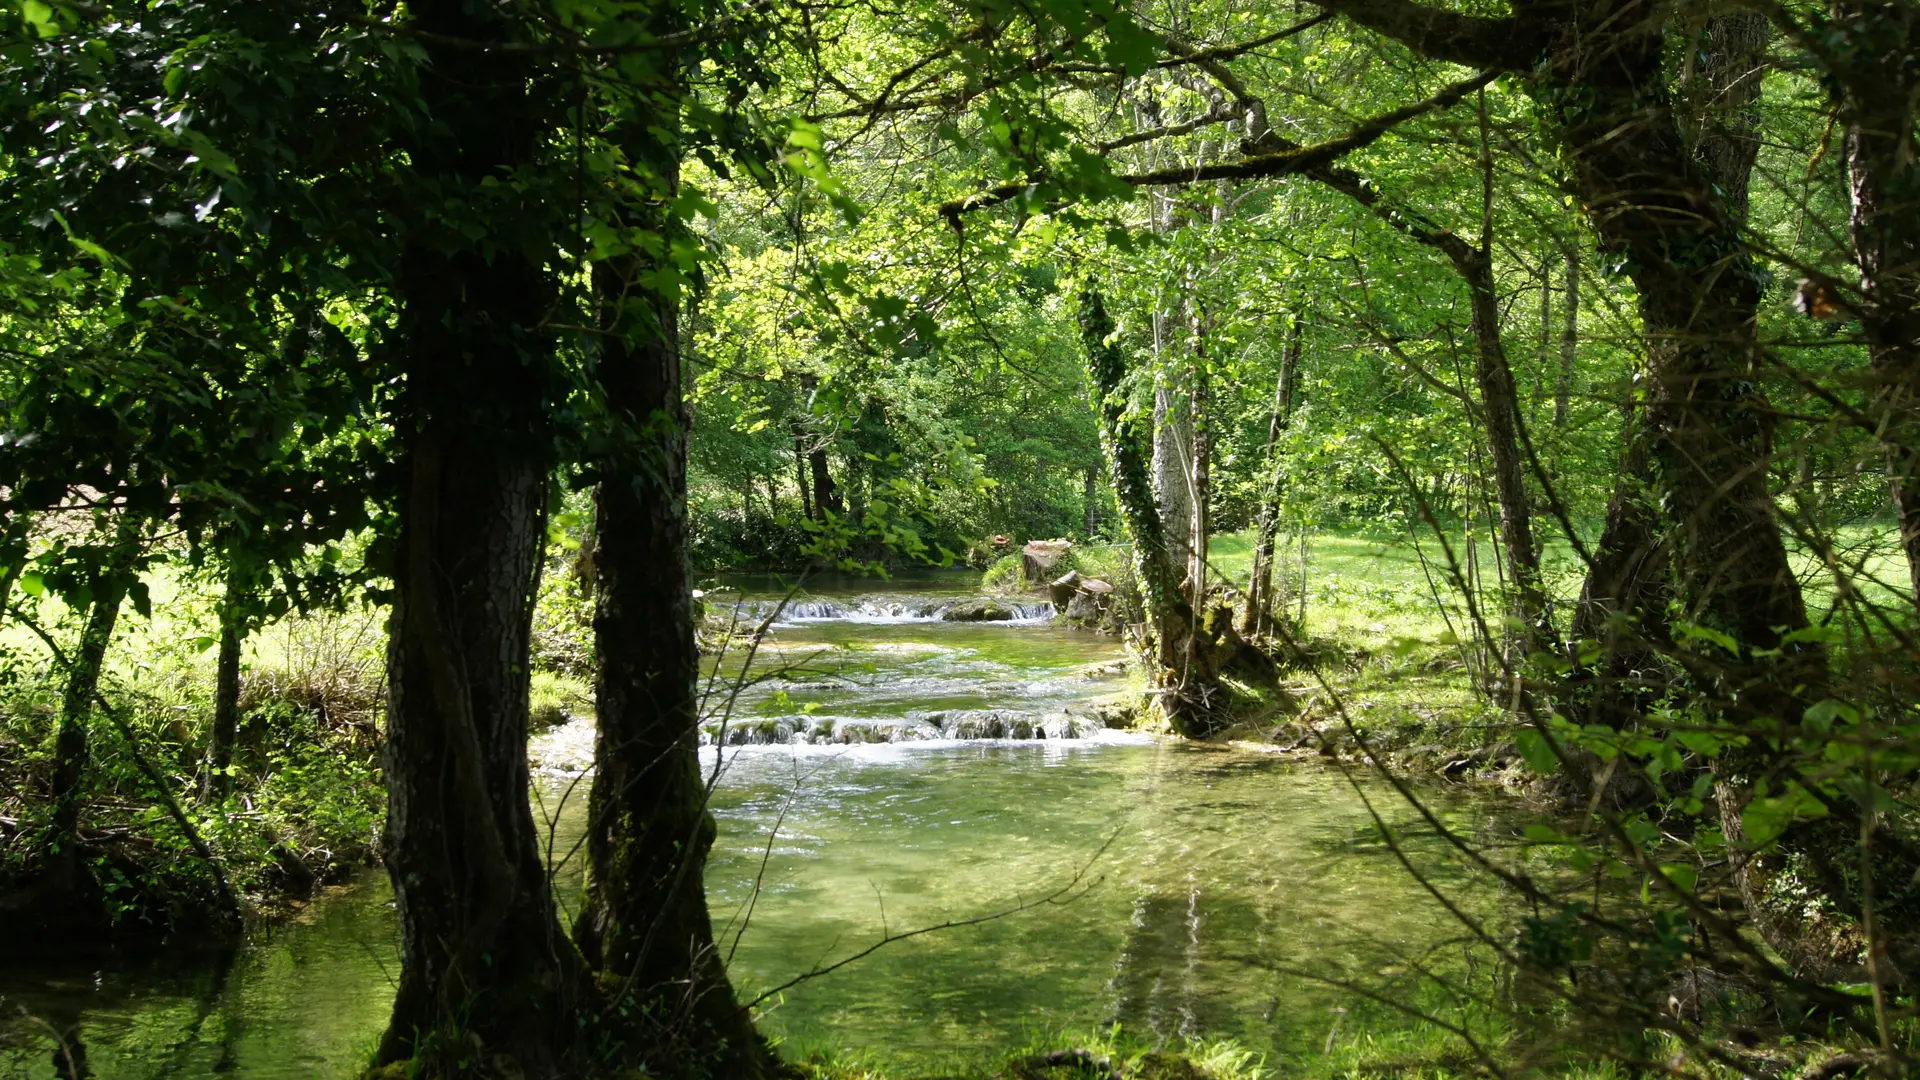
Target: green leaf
1696,632
1129,46
1538,754
33,584
1821,715
39,15
1766,818
1682,875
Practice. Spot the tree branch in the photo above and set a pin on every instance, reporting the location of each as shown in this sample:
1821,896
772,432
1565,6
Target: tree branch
1510,44
1290,162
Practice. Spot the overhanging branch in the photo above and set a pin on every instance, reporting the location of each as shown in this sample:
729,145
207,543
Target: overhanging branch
1288,162
1510,44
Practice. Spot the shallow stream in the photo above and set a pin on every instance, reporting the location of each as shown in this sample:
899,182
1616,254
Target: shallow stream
1172,889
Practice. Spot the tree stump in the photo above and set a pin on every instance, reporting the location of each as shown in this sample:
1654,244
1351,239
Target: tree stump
1039,557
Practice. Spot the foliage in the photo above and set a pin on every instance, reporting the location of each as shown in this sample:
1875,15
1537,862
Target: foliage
957,271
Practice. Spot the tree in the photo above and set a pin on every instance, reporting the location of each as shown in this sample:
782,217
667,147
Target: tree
483,957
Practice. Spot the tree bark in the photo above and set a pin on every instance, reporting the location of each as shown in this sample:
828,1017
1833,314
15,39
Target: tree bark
1170,617
1878,85
1172,450
1500,404
826,493
1258,618
13,558
1090,502
1598,72
1569,340
1709,429
72,747
1201,482
226,686
644,924
800,473
1623,600
485,966
1493,378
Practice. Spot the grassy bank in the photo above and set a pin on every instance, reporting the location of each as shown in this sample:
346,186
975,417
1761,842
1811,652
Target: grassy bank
306,804
1384,652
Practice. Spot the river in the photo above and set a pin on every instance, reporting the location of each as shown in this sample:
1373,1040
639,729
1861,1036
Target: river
1175,890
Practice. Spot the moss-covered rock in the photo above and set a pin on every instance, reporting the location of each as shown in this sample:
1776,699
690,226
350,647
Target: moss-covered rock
981,610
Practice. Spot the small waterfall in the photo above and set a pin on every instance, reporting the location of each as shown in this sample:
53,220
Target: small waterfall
883,607
958,725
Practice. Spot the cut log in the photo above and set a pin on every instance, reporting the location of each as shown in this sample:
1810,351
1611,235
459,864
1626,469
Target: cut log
1062,589
1039,557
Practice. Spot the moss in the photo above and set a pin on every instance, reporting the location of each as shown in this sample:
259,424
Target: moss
554,699
1004,577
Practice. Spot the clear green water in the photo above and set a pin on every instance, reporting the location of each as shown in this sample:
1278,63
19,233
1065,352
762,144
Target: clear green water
1200,870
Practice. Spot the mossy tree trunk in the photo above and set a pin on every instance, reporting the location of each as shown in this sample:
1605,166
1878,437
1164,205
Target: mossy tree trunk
73,742
486,971
234,625
1183,674
1879,96
644,925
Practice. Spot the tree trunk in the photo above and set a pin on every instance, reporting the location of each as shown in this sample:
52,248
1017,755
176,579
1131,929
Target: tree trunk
13,559
1879,87
1170,617
72,747
644,923
1546,338
1493,378
1258,618
800,473
485,967
1202,479
226,686
826,493
1709,442
1172,454
1709,430
1090,502
1623,600
1500,404
1569,340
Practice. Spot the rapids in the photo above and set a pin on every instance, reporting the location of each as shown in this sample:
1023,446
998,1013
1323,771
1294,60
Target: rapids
884,770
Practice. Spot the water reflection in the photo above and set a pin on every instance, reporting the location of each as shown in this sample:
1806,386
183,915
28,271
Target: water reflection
1199,866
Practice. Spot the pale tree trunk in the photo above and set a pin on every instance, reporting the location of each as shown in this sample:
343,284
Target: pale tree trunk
1258,617
1546,339
1090,502
1493,376
1172,447
1182,688
1202,479
1569,340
